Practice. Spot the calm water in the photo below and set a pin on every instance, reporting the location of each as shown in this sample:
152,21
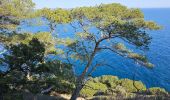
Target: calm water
159,54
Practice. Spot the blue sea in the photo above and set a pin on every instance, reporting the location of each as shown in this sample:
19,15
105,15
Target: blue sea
158,54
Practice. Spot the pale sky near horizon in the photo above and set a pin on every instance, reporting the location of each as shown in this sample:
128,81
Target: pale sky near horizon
79,3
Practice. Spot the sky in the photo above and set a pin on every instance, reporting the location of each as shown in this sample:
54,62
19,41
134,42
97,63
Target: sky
79,3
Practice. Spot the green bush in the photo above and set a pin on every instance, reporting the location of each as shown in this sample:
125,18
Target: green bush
157,91
99,84
112,86
129,87
92,88
110,81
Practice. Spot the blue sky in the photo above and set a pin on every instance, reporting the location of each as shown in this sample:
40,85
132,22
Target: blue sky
78,3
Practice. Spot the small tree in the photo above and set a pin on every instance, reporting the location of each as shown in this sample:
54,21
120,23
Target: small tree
20,61
12,12
111,22
29,69
27,52
25,57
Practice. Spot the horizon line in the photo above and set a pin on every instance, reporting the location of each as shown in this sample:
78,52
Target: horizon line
92,6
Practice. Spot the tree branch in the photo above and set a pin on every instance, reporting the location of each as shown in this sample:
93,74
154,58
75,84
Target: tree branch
122,54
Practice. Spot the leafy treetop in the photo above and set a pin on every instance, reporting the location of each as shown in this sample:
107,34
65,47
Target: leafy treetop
12,11
114,21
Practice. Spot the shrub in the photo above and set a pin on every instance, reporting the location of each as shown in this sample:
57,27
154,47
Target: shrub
129,87
110,81
92,88
157,91
112,86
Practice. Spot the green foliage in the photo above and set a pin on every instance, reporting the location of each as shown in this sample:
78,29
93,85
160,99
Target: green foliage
107,14
12,11
123,50
157,91
45,37
16,8
92,88
22,61
129,87
54,16
58,74
141,58
28,55
111,85
66,41
29,70
108,80
121,47
30,50
82,35
114,21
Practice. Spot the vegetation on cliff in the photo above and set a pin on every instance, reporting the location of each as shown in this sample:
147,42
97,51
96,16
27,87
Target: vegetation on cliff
26,56
111,87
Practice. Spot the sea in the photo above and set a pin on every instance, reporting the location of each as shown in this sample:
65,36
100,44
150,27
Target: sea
158,53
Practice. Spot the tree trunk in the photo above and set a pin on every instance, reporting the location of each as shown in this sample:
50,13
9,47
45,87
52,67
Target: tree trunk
76,92
82,76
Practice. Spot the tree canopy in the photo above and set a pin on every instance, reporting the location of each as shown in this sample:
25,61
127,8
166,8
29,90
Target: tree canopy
27,51
25,57
27,66
113,21
12,11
